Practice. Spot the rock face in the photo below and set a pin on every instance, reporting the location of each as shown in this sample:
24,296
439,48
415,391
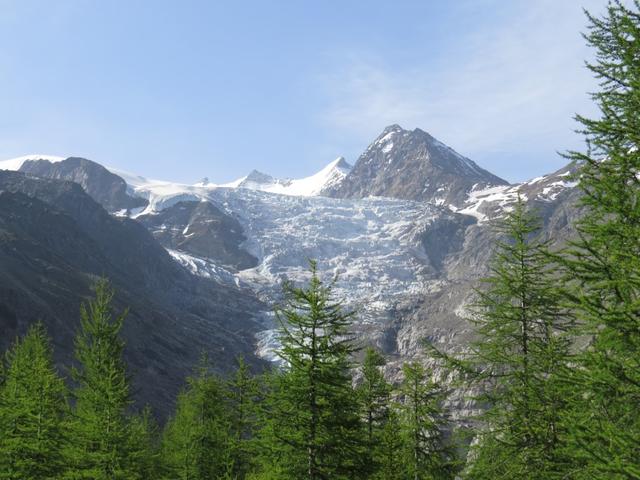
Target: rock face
203,230
55,241
104,187
413,165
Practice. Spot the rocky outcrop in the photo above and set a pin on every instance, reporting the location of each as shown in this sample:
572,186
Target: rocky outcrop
104,187
203,230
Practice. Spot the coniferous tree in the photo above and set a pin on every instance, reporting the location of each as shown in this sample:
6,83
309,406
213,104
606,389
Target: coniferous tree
374,395
32,409
390,456
243,394
521,356
422,424
99,427
604,263
144,455
313,430
196,441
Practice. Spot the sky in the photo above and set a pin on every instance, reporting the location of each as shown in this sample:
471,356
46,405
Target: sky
183,90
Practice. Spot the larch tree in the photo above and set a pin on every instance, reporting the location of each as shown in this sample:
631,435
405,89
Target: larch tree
374,393
423,422
313,429
197,439
33,406
243,392
520,356
390,450
99,427
144,455
604,263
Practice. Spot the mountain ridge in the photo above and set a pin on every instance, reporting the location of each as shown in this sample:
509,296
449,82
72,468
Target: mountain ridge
435,173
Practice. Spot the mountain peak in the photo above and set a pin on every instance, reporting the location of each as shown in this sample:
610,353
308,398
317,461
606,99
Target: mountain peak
393,128
259,177
331,175
339,162
413,165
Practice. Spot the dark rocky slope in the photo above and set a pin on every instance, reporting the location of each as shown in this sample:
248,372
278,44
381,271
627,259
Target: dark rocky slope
55,241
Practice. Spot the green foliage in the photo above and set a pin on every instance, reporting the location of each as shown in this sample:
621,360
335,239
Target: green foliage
243,395
99,427
604,264
196,443
313,428
374,396
32,410
520,357
390,449
422,423
143,448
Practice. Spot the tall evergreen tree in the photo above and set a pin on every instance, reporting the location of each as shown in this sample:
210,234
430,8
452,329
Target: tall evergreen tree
390,450
99,428
196,441
32,409
313,429
374,395
144,455
605,262
422,423
521,354
243,394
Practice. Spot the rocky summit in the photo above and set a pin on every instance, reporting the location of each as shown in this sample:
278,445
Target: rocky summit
413,165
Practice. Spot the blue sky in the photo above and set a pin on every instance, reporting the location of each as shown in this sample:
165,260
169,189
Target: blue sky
182,90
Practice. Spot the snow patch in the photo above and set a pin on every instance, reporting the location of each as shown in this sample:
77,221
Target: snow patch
501,195
204,268
16,163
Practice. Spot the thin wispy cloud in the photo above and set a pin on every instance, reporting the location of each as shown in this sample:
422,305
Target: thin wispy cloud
509,88
146,88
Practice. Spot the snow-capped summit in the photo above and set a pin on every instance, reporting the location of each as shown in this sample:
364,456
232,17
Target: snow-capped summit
256,176
257,180
332,175
340,163
329,177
